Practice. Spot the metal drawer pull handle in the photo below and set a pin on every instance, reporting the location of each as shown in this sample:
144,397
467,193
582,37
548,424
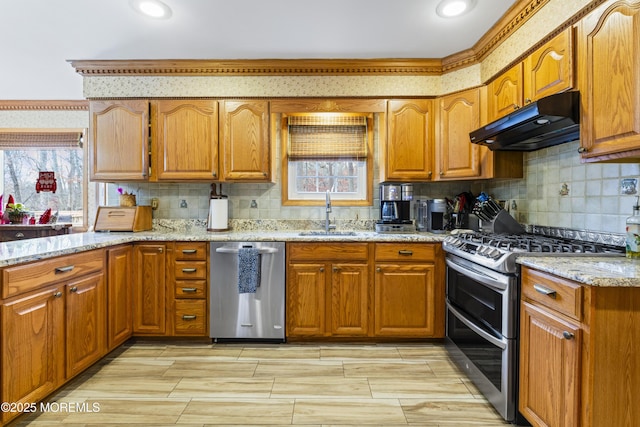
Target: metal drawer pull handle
189,251
189,290
188,317
405,252
567,335
66,269
19,234
115,213
189,270
545,291
247,325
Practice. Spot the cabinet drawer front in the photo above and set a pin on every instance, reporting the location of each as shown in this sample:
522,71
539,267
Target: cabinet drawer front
190,317
328,251
191,289
26,277
191,250
405,252
554,292
190,270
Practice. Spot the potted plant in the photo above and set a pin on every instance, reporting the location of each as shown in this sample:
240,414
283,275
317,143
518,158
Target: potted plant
16,212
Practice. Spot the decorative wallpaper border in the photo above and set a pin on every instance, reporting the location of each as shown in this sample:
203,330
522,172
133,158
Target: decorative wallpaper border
69,105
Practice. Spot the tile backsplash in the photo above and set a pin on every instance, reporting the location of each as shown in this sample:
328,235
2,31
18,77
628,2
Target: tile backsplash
557,190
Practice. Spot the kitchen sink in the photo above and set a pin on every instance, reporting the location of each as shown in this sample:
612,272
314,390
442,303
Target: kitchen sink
324,233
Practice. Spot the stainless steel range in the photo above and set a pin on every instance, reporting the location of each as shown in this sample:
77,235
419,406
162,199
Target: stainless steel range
483,292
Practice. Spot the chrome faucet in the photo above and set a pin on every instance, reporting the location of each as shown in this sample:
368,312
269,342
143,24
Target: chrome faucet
327,221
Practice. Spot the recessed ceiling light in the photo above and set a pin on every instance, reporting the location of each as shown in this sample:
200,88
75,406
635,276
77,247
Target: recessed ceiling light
152,8
454,8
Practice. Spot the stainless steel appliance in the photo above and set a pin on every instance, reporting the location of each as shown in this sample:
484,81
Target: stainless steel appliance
395,209
239,313
437,218
482,300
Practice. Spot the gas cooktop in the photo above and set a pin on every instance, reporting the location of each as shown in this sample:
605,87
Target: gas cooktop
499,251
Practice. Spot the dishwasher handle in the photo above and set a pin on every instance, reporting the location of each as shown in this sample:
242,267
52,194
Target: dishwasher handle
232,250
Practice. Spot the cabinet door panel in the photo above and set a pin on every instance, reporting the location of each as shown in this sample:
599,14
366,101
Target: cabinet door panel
33,347
404,300
549,69
457,156
149,294
549,368
186,139
610,81
118,140
410,140
349,299
120,295
86,322
306,300
246,146
505,93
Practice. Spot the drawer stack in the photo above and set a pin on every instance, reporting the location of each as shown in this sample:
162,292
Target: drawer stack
190,289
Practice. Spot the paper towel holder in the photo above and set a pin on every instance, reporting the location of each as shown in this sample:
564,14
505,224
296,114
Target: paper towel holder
218,218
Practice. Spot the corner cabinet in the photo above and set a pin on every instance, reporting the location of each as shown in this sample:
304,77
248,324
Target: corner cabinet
456,156
408,154
244,141
119,140
578,366
608,53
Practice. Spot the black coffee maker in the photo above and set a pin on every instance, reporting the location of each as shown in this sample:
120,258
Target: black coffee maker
395,208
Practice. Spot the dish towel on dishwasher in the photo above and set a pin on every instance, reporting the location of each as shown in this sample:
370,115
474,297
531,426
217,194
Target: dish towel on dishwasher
248,270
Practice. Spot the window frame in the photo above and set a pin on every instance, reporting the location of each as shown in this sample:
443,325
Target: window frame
24,137
320,201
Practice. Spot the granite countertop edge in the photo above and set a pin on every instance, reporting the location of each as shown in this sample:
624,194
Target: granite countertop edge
605,271
22,251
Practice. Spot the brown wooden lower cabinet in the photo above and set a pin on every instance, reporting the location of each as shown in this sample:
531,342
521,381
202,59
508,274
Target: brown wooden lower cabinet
149,293
578,363
332,290
119,295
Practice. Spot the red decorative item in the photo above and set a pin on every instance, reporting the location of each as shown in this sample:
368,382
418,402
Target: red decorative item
45,217
46,182
10,201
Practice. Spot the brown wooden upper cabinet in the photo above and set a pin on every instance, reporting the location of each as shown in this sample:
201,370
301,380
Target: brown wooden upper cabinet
118,140
548,70
184,142
244,141
609,78
408,154
456,156
185,139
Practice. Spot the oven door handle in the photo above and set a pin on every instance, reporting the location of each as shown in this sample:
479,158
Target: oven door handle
477,275
469,324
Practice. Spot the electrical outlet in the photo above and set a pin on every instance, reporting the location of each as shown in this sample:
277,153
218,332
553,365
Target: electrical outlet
183,203
154,203
628,186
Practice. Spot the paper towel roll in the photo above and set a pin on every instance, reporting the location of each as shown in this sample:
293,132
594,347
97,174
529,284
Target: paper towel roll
218,215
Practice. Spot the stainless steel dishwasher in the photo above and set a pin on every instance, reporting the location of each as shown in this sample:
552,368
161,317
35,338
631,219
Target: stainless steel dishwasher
238,312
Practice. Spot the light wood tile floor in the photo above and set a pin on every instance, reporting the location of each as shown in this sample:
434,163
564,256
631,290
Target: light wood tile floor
159,384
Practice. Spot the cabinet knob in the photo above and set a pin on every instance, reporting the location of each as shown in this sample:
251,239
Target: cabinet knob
73,289
516,107
335,268
378,269
321,269
582,150
57,294
567,335
527,101
215,174
429,173
441,173
160,250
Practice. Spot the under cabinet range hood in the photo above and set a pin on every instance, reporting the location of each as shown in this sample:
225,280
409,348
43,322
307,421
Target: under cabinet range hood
549,121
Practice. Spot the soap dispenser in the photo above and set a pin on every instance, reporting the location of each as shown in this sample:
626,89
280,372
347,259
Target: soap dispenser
633,232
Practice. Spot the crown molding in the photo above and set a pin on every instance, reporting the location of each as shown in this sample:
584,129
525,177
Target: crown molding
514,18
67,105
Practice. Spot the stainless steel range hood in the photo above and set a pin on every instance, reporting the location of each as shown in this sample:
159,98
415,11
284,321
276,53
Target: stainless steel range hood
551,120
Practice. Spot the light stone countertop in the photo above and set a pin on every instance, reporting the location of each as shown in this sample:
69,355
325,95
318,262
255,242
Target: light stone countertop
606,271
28,250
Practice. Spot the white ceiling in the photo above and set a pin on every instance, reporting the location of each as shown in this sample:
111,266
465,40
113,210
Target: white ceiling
38,36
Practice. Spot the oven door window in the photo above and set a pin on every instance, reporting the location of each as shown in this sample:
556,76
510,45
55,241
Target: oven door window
482,303
487,357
